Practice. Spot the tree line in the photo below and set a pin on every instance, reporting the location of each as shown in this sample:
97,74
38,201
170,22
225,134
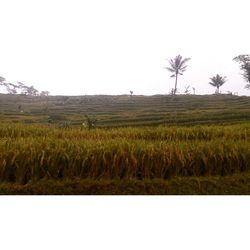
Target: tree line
178,66
21,88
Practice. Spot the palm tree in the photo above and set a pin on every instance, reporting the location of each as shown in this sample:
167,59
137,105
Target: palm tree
217,81
177,66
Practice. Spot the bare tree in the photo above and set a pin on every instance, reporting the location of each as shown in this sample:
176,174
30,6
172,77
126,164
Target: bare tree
217,81
177,66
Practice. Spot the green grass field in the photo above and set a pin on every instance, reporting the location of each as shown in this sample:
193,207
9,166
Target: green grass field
141,145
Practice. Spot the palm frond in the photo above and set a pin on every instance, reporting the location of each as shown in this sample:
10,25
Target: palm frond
182,69
217,81
184,61
172,64
177,64
213,84
169,69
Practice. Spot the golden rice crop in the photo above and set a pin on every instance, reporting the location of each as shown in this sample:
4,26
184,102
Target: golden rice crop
30,153
172,133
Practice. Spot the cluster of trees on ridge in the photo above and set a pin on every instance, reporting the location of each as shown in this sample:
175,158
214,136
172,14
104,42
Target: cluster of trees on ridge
21,88
178,67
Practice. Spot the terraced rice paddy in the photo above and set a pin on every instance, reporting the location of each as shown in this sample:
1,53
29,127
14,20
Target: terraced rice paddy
138,141
120,111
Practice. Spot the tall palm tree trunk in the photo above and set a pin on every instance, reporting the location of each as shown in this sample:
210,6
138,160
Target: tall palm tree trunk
218,90
175,86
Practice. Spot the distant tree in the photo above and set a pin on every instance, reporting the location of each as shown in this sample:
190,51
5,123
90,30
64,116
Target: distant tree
187,90
217,81
244,61
23,88
19,87
11,88
131,92
26,90
172,92
177,66
193,90
32,91
44,93
2,80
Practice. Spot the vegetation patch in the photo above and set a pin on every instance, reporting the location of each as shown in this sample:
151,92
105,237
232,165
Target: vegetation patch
184,152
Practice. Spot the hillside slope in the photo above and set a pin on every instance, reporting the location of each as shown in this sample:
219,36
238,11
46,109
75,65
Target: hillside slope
125,110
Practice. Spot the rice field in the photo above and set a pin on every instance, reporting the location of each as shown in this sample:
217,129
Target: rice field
126,111
30,153
148,159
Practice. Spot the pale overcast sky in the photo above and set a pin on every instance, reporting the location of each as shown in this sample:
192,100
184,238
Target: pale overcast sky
77,47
